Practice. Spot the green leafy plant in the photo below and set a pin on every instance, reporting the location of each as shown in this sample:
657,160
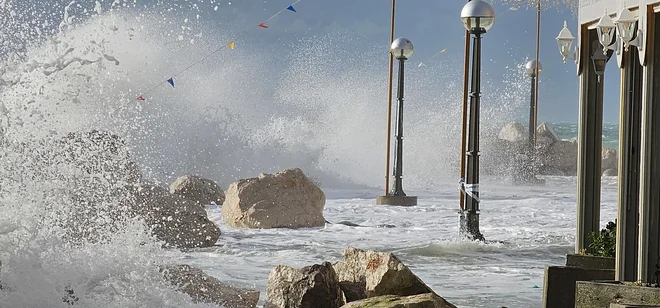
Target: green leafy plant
604,243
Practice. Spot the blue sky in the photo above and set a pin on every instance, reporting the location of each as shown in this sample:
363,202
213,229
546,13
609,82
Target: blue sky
435,25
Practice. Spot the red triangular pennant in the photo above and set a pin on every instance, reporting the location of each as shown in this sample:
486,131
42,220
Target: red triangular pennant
263,26
140,98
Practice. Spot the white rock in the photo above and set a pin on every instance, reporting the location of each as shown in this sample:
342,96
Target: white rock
311,286
513,132
287,199
174,219
365,274
546,135
198,189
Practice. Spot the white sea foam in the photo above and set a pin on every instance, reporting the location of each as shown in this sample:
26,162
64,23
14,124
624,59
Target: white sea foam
529,228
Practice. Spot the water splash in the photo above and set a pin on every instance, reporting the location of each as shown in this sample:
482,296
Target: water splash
75,67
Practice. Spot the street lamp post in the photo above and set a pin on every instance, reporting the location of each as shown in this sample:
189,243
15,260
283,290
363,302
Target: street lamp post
531,69
401,49
477,16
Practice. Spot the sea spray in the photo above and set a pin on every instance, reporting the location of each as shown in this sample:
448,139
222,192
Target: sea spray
246,111
65,236
233,117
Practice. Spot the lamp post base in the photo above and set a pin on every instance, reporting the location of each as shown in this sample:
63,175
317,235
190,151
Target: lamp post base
468,226
396,200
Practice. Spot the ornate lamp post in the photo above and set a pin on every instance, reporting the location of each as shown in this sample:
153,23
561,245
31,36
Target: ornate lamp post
531,69
401,49
477,16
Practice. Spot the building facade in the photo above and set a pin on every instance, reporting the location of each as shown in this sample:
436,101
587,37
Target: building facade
626,34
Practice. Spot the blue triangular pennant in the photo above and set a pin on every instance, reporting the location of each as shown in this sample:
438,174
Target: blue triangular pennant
171,81
290,8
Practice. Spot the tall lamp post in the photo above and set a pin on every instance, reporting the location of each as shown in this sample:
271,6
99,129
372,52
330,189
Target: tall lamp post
477,16
401,49
532,70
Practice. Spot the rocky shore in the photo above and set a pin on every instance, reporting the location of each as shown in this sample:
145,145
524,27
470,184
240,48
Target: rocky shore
106,189
507,154
176,216
361,279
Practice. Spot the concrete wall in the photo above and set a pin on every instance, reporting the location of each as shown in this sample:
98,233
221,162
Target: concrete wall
590,294
559,284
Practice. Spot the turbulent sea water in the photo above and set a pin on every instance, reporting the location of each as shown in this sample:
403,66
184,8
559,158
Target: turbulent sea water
569,131
80,66
531,227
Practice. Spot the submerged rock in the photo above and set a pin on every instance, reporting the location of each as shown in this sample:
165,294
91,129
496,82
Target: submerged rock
313,286
206,289
426,300
352,224
365,274
287,199
69,296
198,189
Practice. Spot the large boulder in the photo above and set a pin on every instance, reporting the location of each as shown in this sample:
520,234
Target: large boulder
198,189
287,199
207,289
545,137
99,153
174,219
426,300
94,171
610,159
364,274
105,188
313,286
514,132
561,158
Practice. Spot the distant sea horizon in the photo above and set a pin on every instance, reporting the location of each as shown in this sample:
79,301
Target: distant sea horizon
569,131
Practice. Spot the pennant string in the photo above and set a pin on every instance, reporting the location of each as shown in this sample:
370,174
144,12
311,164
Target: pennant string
200,60
230,45
431,58
280,12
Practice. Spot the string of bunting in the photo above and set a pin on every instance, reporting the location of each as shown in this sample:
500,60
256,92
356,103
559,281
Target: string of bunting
231,45
288,8
171,79
431,58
